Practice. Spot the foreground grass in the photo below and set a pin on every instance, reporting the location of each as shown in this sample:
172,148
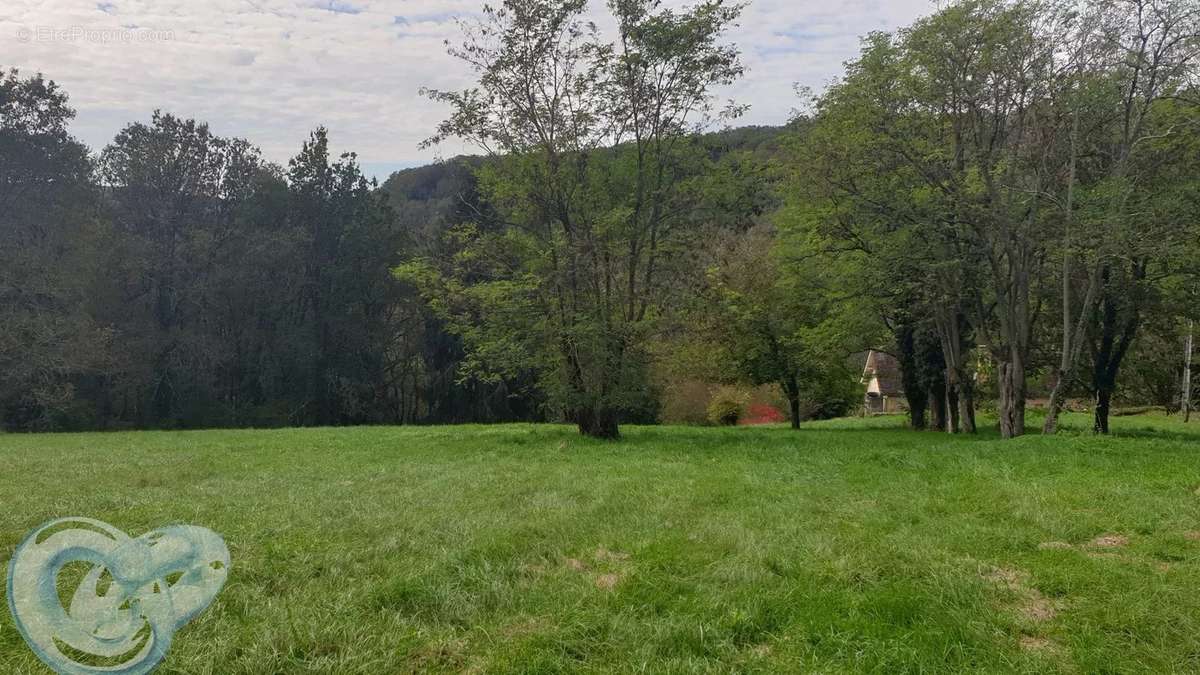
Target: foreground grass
849,546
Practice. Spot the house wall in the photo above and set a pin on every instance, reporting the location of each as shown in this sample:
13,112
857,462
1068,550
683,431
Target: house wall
885,405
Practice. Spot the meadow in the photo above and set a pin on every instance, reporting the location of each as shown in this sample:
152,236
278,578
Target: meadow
847,546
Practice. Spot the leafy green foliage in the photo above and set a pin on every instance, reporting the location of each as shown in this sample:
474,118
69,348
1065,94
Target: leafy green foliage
779,323
49,342
592,148
727,405
960,154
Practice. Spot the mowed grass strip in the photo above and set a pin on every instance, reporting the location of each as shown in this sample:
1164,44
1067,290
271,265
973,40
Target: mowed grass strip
849,546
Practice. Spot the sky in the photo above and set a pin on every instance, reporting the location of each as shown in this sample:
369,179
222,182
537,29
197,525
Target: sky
271,71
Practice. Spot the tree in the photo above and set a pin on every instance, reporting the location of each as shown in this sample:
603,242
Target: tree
591,143
201,262
50,341
175,189
1132,58
429,201
779,323
991,77
353,312
923,369
932,153
1150,374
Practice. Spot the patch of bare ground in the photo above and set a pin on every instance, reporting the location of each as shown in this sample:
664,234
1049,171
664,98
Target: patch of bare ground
1033,643
1032,604
615,562
1005,575
760,651
607,582
524,627
1193,535
1039,608
1110,541
610,567
1106,547
1047,648
443,655
603,555
1054,546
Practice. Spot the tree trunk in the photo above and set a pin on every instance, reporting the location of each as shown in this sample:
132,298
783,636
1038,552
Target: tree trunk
1058,398
1103,408
791,387
1185,400
954,420
937,402
1120,319
1012,399
1073,341
966,406
914,391
593,414
598,423
163,401
918,404
948,321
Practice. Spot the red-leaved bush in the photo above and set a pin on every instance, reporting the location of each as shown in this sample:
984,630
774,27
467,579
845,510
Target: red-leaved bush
763,413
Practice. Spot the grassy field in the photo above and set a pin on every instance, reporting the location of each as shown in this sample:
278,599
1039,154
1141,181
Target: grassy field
849,546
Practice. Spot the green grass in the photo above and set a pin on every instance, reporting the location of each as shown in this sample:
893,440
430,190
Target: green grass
850,546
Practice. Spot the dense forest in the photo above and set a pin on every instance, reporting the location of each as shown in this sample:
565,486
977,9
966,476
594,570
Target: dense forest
176,279
1003,195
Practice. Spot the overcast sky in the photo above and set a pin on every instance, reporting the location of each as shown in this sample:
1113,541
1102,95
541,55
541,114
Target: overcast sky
272,70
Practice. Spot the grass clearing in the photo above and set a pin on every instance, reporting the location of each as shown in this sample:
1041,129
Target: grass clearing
850,546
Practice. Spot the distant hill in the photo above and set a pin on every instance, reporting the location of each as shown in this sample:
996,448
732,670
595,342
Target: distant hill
430,198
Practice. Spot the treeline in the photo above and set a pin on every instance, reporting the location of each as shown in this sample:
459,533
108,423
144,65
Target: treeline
1004,195
176,279
1018,183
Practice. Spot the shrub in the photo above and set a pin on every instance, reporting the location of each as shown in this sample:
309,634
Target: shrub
726,405
764,413
684,401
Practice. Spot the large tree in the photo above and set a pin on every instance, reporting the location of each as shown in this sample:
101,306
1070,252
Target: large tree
49,340
175,191
592,141
1130,131
355,315
942,140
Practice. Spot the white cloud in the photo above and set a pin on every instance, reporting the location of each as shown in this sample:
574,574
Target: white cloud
272,70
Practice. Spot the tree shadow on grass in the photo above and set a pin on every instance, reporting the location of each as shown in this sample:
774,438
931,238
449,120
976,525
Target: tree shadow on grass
780,436
884,432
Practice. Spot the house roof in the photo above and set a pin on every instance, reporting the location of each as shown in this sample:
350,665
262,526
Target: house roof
885,369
